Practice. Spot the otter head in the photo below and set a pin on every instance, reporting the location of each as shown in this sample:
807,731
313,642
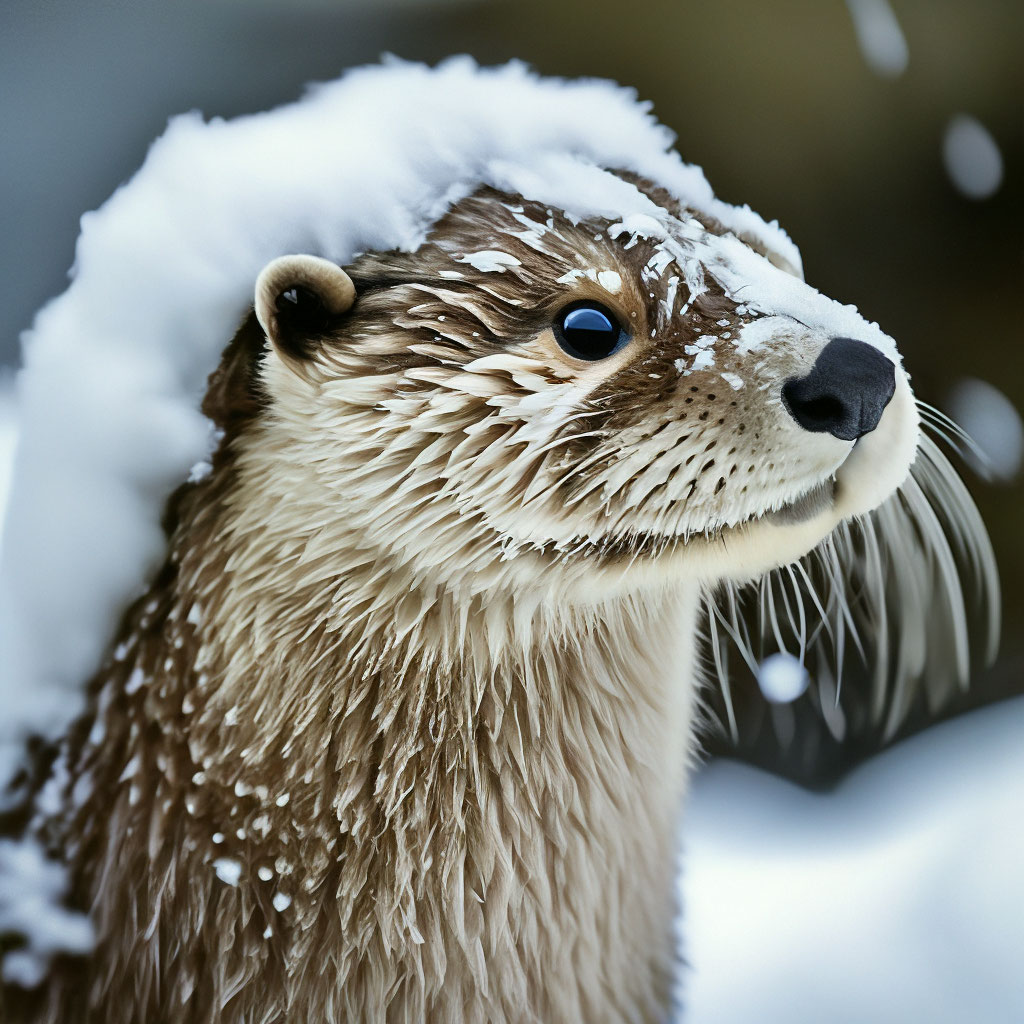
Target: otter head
534,395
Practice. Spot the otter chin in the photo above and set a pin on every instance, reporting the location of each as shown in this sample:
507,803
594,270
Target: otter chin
401,728
809,505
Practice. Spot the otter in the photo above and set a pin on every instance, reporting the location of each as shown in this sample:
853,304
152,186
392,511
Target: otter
401,728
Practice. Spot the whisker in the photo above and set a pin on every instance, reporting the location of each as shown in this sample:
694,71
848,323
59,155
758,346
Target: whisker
895,589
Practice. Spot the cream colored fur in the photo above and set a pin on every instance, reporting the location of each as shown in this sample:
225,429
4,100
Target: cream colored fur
402,731
510,846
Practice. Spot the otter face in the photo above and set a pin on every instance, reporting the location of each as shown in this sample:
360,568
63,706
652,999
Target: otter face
643,395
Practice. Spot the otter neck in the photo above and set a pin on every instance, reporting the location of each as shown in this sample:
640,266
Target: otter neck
481,791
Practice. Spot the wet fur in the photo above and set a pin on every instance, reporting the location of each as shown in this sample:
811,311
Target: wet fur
415,663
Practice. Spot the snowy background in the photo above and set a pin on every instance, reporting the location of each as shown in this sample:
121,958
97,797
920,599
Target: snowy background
8,436
889,141
893,899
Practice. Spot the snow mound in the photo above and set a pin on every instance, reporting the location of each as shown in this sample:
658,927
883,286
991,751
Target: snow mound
895,898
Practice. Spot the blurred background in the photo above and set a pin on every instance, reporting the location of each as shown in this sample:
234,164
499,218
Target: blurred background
887,138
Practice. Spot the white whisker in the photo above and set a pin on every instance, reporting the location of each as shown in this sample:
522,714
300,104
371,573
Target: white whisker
895,582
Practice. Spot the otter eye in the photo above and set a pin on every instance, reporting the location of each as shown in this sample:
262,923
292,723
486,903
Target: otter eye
587,330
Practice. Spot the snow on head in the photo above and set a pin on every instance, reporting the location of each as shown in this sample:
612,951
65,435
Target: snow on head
777,294
115,368
489,261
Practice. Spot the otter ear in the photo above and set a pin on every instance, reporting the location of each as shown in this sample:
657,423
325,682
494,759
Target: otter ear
298,301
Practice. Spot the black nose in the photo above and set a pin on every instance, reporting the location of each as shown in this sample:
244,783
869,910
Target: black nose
846,391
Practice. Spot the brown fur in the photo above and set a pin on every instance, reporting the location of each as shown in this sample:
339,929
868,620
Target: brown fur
441,744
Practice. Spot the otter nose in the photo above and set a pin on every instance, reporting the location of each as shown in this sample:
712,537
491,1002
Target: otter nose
846,391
